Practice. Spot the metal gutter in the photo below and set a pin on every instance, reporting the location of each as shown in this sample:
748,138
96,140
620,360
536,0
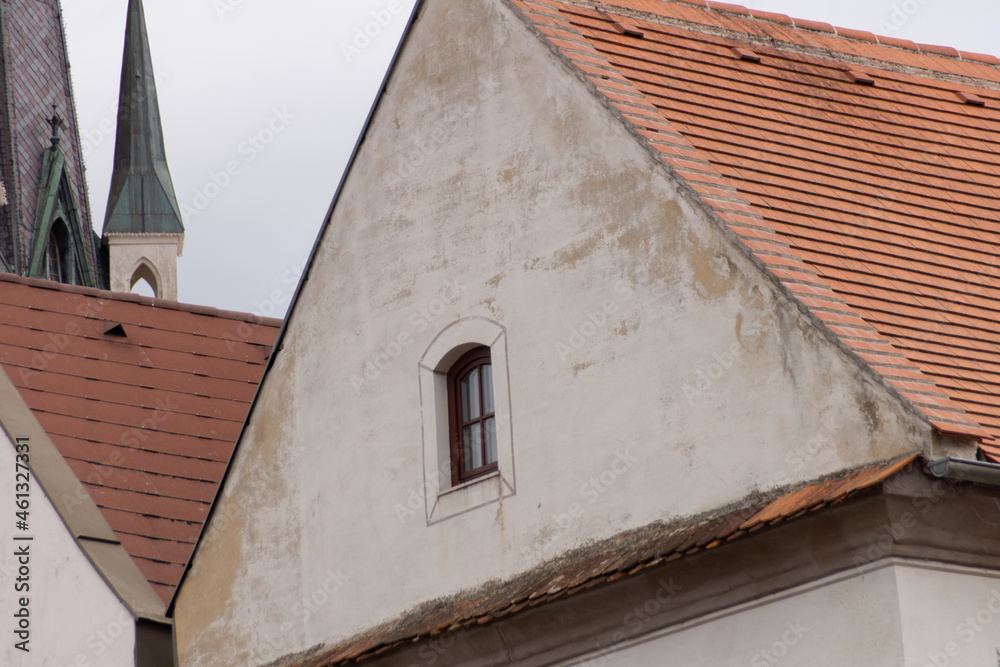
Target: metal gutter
964,470
278,343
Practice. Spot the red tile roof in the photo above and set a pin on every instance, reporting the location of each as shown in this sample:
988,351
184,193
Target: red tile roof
607,562
147,420
863,171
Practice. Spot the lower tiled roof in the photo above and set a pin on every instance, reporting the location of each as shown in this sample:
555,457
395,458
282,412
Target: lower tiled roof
602,564
143,398
863,171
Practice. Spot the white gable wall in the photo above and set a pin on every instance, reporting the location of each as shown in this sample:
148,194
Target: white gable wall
75,617
654,372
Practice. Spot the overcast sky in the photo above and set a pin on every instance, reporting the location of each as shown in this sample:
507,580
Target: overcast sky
265,88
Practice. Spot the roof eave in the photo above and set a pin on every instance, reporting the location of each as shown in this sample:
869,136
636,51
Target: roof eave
77,510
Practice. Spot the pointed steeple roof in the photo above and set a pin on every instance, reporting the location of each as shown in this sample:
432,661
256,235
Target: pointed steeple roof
142,199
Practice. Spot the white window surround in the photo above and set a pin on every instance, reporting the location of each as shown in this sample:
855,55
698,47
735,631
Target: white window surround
442,500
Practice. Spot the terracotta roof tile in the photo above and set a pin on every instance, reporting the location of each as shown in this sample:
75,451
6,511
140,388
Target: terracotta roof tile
882,199
147,421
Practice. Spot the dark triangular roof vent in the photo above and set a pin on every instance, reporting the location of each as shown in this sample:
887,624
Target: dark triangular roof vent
116,330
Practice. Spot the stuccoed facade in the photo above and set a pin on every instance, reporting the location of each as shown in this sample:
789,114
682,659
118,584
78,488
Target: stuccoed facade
647,369
73,616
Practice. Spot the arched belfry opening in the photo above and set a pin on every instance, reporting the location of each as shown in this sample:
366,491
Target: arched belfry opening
144,272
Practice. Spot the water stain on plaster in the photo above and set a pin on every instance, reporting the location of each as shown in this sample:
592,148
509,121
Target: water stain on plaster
404,295
869,409
571,255
213,594
714,274
627,327
207,600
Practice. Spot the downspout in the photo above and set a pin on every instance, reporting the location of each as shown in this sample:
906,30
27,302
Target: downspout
964,470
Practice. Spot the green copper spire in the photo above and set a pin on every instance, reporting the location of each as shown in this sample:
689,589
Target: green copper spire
142,199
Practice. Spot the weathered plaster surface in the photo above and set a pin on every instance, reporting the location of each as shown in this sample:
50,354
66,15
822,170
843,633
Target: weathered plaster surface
245,603
655,372
75,617
950,616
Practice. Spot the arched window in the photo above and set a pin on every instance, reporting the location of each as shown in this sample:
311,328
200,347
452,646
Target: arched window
472,414
58,255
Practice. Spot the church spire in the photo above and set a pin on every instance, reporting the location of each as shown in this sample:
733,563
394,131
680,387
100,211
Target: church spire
143,217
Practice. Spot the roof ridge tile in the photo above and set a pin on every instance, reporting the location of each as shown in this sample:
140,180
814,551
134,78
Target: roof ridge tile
208,311
740,12
814,26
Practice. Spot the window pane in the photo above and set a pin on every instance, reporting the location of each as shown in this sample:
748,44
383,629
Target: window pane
470,396
473,440
488,408
490,425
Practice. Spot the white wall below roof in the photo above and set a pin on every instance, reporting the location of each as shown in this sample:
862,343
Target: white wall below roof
894,613
951,616
76,620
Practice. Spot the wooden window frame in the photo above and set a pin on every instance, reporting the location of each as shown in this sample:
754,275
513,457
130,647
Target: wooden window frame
477,357
59,259
54,257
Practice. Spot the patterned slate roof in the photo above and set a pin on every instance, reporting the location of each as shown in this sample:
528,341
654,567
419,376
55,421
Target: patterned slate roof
34,75
863,171
144,398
